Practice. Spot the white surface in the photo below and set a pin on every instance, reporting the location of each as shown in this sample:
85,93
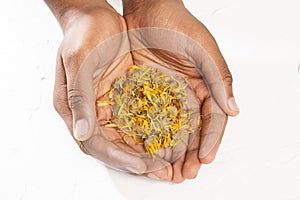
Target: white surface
260,154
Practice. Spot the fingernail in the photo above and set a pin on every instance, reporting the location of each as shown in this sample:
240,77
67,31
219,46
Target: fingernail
152,176
232,105
81,129
132,170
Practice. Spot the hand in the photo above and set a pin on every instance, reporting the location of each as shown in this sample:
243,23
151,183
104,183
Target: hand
87,64
165,33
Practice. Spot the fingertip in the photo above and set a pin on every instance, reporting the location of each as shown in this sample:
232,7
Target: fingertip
82,131
178,179
164,174
233,109
137,169
152,176
191,167
192,172
131,163
208,158
177,174
140,167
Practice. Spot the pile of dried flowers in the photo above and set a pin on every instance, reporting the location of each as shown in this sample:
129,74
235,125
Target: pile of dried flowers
149,106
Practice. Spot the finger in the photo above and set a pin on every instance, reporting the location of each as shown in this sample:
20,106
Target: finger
213,67
60,98
192,163
168,154
165,173
213,125
177,170
113,155
178,156
201,49
81,96
156,164
117,137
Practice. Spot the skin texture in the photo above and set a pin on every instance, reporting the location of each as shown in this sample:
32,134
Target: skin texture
87,64
172,15
78,85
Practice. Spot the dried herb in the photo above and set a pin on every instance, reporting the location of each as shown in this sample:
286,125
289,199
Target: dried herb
149,107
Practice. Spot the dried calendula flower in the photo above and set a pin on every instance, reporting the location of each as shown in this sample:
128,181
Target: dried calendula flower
149,107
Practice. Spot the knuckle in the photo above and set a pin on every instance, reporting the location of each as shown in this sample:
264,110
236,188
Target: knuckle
226,76
60,104
74,98
73,57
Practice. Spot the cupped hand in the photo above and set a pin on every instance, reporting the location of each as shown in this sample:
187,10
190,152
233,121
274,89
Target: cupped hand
93,53
164,32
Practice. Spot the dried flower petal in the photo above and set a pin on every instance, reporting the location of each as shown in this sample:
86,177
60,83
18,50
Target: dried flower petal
149,107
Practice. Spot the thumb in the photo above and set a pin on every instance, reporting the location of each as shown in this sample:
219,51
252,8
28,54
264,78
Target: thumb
214,70
81,96
219,81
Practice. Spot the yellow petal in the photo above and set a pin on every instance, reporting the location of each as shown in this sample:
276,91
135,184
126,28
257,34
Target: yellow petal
111,125
103,103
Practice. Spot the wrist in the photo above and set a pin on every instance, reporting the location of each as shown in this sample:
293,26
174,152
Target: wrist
67,11
131,6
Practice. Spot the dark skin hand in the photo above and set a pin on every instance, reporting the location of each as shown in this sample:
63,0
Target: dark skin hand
88,63
214,94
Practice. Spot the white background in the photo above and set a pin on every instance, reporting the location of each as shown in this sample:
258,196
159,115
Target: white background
260,154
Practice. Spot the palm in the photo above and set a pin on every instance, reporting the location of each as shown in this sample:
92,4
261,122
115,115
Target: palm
168,35
106,52
88,63
95,52
158,51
